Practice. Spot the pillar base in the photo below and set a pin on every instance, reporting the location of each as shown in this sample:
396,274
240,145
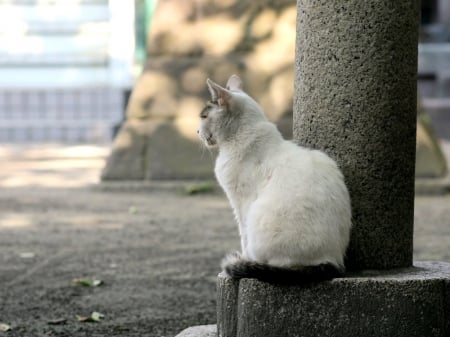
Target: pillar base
402,302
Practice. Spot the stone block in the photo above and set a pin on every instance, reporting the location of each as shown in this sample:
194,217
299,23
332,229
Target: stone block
176,86
171,87
412,302
159,141
190,41
172,154
218,28
158,149
127,158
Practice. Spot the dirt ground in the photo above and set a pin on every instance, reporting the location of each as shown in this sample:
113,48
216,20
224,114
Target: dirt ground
156,249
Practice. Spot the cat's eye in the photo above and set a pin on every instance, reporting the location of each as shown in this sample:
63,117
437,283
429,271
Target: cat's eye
204,113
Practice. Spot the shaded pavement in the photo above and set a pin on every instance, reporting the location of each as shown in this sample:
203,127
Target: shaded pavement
157,249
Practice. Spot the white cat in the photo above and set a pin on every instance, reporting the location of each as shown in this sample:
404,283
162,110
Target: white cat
291,203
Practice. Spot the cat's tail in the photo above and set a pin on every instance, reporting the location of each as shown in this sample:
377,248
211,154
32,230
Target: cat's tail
238,267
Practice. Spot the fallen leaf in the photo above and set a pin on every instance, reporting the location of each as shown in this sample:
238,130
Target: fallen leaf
84,319
57,321
86,282
95,317
4,327
96,283
199,188
27,255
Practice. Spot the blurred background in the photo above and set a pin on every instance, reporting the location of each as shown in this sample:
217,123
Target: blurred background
434,84
114,83
67,68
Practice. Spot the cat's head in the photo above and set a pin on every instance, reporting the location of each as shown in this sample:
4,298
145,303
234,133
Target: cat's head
228,110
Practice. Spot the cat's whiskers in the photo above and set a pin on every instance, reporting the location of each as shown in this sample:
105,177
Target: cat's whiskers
203,147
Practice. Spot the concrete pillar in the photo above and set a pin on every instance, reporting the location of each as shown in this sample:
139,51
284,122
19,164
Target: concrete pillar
355,98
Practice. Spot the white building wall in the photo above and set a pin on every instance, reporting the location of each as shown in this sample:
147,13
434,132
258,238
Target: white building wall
65,68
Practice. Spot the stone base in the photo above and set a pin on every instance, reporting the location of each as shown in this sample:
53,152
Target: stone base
403,302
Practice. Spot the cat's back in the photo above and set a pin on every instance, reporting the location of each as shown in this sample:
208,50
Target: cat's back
301,158
304,186
297,167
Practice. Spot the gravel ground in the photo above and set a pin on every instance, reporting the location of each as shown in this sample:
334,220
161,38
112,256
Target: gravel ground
157,252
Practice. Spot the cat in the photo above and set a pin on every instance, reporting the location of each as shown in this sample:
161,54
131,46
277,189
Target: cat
290,202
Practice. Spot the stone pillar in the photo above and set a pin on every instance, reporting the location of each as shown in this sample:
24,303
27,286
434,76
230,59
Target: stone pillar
355,98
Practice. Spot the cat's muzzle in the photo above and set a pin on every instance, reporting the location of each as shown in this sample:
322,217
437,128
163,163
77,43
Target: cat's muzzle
208,140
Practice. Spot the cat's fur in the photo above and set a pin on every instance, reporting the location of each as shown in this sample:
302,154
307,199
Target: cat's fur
291,203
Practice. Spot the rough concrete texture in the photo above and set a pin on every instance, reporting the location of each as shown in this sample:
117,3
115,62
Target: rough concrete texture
227,309
199,331
355,98
189,42
406,302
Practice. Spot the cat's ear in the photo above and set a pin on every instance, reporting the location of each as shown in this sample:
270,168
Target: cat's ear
218,94
234,83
